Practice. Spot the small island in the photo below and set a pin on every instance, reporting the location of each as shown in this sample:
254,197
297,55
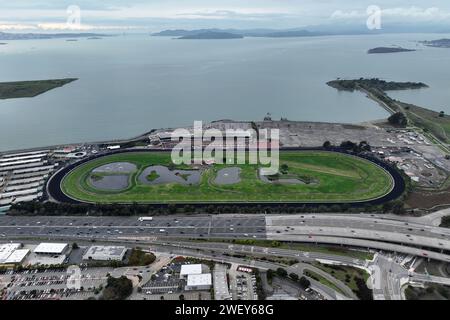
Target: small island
237,33
212,35
388,50
441,43
29,89
175,33
375,83
3,43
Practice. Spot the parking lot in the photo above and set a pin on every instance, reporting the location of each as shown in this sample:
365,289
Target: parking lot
50,283
165,281
197,295
242,284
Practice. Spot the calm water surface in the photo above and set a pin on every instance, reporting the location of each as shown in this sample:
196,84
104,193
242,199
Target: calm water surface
130,84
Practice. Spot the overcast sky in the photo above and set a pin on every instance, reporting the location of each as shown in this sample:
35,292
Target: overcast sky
154,15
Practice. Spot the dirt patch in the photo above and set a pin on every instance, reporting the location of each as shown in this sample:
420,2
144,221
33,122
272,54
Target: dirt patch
428,199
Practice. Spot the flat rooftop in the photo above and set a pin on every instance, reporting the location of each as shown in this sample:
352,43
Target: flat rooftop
17,256
105,253
7,249
204,279
188,269
56,248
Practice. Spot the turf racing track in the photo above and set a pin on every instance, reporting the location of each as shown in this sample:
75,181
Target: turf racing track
56,193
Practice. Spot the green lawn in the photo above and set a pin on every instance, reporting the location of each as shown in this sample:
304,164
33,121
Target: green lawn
346,274
152,176
322,280
431,121
334,177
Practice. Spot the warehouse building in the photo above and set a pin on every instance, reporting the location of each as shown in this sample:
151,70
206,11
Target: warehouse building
199,282
221,291
105,253
190,269
17,257
7,249
51,248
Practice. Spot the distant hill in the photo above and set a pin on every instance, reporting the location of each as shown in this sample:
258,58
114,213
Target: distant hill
267,33
328,29
441,43
175,33
388,50
182,32
213,35
33,36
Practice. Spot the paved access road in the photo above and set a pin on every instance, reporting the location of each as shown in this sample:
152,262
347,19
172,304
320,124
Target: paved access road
262,251
324,290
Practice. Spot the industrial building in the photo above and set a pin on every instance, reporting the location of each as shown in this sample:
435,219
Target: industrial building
190,269
17,257
199,282
7,249
105,253
221,291
51,248
195,278
11,254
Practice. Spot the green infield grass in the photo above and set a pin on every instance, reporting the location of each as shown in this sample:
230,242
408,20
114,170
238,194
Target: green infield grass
321,177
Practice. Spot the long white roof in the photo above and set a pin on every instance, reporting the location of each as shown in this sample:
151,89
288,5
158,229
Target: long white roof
18,193
7,249
17,162
14,181
9,201
18,187
24,153
17,256
39,155
26,166
50,247
34,169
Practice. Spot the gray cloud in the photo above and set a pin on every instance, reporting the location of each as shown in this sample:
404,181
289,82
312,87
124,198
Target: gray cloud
221,13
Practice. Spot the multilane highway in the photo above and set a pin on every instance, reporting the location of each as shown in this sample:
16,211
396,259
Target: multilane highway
364,230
